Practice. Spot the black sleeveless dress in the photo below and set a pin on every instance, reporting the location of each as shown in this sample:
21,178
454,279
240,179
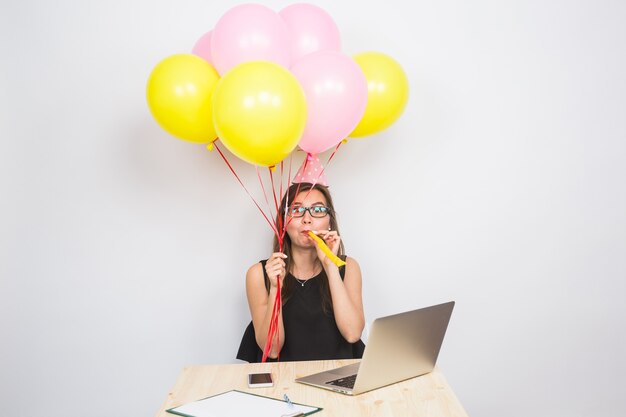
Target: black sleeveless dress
311,333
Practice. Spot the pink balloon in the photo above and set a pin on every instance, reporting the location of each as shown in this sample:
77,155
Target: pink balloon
202,48
249,32
312,29
336,95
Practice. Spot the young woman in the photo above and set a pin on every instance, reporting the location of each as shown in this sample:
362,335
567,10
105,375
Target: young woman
322,312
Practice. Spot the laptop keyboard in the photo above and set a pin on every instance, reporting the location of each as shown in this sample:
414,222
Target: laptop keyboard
345,382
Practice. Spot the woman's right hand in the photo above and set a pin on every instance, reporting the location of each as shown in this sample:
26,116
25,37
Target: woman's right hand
275,268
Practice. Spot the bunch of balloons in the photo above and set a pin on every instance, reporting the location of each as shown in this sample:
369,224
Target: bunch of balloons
265,82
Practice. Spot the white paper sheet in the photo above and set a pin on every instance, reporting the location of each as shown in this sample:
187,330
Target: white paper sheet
237,403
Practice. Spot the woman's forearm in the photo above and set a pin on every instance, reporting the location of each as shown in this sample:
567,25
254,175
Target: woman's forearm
348,312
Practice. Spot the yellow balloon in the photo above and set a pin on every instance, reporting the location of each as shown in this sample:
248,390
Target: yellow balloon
387,92
259,112
179,94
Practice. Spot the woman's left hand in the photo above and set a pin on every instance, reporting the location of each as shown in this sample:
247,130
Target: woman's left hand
332,240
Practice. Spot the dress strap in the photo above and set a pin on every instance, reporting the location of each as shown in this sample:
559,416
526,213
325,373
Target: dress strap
342,269
265,277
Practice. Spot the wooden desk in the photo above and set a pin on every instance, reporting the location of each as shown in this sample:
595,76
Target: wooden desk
428,395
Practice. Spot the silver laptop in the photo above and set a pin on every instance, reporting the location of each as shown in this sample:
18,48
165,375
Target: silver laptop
399,347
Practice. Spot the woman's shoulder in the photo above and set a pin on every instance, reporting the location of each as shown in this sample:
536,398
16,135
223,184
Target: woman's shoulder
256,270
351,262
256,275
352,268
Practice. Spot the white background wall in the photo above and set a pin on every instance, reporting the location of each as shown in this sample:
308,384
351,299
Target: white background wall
123,250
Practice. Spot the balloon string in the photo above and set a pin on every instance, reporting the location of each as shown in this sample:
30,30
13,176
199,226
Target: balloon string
280,219
269,207
274,330
244,187
279,230
333,154
273,327
285,223
276,203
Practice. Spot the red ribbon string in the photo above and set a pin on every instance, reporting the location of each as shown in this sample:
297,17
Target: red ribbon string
282,165
276,203
285,223
244,187
280,229
269,207
273,327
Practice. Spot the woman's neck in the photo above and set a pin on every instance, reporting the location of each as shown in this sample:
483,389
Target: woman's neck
304,262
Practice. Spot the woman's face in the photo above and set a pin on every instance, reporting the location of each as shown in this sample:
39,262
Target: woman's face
303,205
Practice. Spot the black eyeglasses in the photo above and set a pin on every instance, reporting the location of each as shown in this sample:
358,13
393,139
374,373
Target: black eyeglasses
315,211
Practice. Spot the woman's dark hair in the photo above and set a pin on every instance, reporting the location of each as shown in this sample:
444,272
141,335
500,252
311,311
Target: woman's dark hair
287,201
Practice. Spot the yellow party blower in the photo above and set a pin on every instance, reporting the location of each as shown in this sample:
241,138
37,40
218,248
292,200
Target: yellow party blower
336,260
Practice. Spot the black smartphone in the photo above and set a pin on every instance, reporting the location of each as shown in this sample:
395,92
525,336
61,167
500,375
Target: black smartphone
260,380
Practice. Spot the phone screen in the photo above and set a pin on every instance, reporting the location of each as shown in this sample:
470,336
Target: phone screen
262,379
